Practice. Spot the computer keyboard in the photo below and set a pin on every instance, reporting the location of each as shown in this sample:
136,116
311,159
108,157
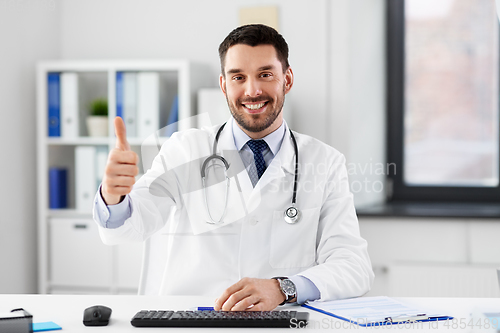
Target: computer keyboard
149,318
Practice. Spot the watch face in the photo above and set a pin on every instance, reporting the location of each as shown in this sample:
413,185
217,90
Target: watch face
288,287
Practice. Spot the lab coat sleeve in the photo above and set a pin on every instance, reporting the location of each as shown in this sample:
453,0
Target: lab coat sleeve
306,290
343,267
152,199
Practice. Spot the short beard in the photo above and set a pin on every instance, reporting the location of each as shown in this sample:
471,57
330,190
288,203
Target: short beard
256,127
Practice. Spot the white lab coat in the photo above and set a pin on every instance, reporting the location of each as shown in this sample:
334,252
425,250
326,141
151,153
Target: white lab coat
192,257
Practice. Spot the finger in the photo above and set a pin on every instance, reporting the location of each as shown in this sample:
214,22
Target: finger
129,170
117,190
226,294
260,306
246,303
235,299
121,134
124,157
120,180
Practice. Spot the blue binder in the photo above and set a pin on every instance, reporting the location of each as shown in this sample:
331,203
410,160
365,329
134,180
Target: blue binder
58,188
119,94
54,104
173,118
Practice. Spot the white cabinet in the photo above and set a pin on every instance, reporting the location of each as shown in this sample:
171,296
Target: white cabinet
71,257
433,257
78,258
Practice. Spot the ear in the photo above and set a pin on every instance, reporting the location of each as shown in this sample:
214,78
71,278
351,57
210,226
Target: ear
222,84
288,80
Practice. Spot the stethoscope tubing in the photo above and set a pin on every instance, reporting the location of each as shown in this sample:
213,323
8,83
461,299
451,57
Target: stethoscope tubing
214,155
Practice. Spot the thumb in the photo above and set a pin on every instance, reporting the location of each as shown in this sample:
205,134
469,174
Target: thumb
121,134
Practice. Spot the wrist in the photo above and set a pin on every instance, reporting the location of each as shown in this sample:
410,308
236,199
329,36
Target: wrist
110,199
283,296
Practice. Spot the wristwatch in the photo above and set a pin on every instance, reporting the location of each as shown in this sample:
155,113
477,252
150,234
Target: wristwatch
287,287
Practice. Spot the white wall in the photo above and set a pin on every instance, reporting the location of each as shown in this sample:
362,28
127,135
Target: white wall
29,31
336,52
193,30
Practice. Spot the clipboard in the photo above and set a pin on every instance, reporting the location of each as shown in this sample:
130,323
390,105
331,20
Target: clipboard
375,311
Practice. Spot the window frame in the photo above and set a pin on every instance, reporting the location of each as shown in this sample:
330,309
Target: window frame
398,190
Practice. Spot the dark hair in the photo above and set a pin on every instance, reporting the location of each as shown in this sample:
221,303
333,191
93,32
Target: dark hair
253,35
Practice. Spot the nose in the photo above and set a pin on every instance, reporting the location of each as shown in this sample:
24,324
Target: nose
252,88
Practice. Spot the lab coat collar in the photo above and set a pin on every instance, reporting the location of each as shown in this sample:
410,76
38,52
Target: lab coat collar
286,155
226,138
280,165
227,148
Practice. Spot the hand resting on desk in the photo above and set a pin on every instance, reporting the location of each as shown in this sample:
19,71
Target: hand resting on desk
251,294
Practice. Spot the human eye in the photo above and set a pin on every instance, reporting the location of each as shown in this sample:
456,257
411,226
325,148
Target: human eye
237,78
266,75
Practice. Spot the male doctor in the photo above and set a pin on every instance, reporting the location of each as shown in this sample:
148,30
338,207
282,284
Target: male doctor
248,256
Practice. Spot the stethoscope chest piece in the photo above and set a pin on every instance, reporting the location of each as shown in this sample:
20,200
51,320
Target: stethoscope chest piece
292,215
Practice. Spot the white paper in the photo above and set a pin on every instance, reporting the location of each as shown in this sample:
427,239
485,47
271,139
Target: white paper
369,309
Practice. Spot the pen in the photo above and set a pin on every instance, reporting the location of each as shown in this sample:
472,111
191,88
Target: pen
202,308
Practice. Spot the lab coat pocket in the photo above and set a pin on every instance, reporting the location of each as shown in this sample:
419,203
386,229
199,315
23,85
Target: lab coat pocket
294,245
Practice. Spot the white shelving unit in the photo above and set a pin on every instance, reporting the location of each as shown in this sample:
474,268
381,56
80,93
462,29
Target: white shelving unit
71,258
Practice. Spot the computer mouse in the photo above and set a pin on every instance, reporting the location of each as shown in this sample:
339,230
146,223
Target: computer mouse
97,315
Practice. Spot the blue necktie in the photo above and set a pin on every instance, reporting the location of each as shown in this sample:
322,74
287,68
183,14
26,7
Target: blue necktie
257,147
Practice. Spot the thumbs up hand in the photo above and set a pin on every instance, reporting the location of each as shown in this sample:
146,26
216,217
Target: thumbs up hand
121,168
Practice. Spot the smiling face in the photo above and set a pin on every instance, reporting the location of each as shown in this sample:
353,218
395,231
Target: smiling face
255,86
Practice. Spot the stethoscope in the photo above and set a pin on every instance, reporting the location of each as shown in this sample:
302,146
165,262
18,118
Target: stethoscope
291,215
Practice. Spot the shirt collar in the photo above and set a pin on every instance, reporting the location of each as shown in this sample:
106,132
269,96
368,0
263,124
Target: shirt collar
273,139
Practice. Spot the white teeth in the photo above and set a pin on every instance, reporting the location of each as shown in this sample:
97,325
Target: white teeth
254,106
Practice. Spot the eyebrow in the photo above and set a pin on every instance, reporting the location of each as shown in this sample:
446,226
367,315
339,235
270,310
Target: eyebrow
263,68
266,68
234,71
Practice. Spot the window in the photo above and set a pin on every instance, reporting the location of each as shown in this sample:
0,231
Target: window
443,100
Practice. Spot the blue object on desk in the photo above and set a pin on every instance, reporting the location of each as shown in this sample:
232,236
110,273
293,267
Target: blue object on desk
205,308
47,326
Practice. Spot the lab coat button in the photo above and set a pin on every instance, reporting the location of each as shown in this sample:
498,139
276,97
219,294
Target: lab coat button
253,221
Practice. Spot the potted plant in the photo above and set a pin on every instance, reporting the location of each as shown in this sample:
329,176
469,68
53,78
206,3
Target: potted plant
97,121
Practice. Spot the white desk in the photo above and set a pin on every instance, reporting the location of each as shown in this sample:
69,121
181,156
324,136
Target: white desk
67,311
